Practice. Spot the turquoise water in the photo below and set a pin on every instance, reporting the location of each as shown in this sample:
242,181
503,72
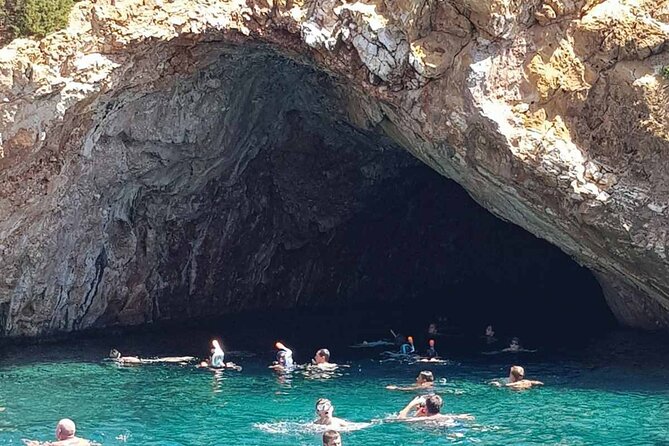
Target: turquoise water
610,391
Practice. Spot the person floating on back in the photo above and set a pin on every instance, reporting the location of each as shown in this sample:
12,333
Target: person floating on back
65,436
424,380
331,438
325,411
516,380
116,356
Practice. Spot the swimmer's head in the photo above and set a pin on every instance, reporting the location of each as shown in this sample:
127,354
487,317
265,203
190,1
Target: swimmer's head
517,373
322,356
432,328
425,377
431,343
324,407
433,404
410,340
515,342
281,357
331,438
489,331
114,354
65,429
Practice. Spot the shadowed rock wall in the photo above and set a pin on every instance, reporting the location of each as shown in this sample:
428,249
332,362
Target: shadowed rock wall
140,112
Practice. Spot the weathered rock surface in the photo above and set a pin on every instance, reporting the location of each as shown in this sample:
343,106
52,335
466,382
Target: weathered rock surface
127,136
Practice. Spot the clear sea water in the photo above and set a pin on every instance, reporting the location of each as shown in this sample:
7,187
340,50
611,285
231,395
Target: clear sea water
612,389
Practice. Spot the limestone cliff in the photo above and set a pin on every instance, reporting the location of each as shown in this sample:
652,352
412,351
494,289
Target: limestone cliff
126,136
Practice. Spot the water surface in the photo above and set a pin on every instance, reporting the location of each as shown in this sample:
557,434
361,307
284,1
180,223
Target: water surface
611,390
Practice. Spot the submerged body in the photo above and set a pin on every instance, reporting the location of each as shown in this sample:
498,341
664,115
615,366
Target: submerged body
65,436
517,380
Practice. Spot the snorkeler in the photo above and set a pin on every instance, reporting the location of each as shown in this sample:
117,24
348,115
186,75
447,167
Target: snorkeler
424,380
325,410
331,438
217,358
116,356
322,360
65,436
408,348
284,358
516,379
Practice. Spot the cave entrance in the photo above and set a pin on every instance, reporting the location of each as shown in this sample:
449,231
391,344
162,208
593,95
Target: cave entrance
246,189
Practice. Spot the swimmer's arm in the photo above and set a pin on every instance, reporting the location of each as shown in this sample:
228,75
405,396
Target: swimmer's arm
464,416
404,413
536,383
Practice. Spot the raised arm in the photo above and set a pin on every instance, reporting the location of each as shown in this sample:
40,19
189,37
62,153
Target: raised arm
414,404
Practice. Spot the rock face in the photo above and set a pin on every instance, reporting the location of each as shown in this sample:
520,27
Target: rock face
164,159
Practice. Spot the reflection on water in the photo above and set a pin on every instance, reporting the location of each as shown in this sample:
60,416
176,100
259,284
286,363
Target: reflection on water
614,390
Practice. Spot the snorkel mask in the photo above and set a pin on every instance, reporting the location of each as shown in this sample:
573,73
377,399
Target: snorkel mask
323,405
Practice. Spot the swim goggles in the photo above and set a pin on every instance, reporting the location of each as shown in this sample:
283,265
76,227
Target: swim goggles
323,406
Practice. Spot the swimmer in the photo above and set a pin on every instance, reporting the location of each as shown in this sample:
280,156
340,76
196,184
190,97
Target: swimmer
515,347
65,436
408,348
217,358
431,353
325,410
331,438
427,408
116,356
322,360
490,335
284,358
432,329
424,380
516,379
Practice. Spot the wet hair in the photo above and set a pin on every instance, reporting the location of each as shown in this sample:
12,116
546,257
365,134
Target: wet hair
325,403
433,404
114,354
330,435
518,372
426,375
325,353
